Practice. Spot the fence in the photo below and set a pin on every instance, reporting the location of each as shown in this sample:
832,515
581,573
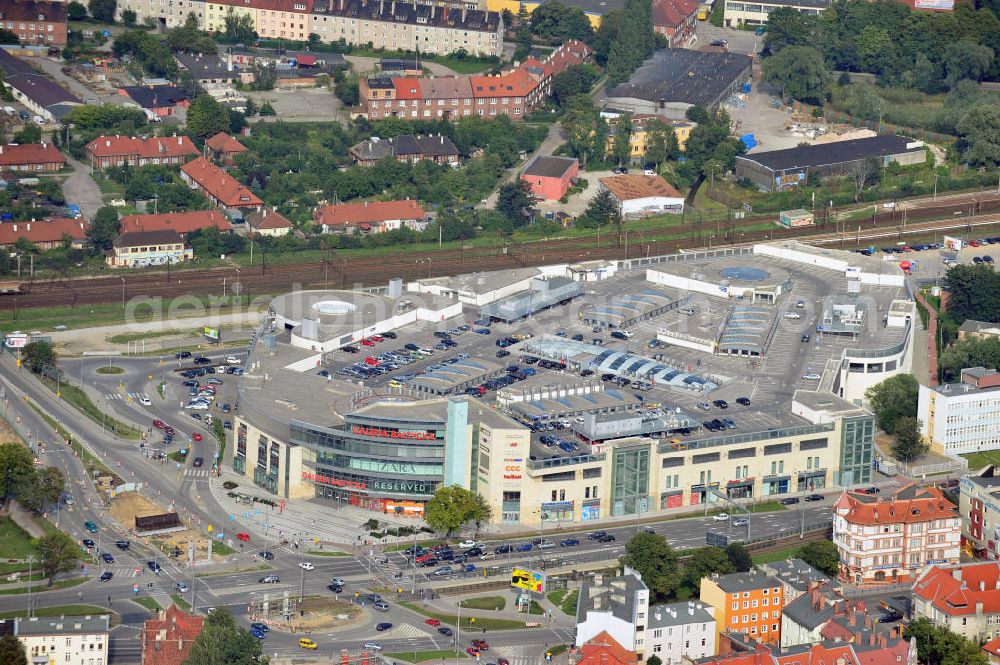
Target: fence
958,464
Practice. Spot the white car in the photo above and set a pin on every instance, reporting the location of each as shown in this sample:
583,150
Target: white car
792,315
487,554
232,360
648,172
721,517
812,376
145,401
469,544
373,645
546,545
305,565
118,203
197,406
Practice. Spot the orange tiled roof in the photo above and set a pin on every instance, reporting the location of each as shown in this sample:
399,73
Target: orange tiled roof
220,185
976,583
49,230
910,504
348,214
407,87
672,13
153,146
167,639
223,142
602,646
30,153
993,646
182,222
516,83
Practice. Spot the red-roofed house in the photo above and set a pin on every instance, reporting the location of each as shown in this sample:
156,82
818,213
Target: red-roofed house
676,20
181,222
108,151
167,639
222,189
224,147
268,222
371,217
31,157
602,649
964,599
866,649
892,540
992,650
46,234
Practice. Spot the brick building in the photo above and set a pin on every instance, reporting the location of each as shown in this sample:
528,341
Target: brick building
550,177
45,234
168,638
223,190
407,148
965,599
40,22
181,222
31,157
371,217
107,151
224,147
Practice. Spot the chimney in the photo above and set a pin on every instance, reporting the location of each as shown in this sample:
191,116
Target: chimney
27,227
979,608
957,573
982,585
463,14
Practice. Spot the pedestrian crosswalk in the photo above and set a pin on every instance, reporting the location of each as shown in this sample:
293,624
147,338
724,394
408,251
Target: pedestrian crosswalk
120,396
140,570
403,631
197,473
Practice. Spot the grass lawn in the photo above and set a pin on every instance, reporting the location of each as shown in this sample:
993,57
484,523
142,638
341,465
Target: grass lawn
148,603
535,608
766,507
135,337
248,569
326,553
58,610
220,548
568,604
481,622
421,656
979,460
556,597
180,602
61,584
80,400
776,555
558,649
110,369
14,541
485,603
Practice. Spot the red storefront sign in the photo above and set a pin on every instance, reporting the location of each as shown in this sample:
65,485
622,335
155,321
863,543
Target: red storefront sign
327,480
392,433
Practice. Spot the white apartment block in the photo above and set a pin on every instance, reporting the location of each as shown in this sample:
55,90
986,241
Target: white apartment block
680,632
617,605
73,640
891,540
167,13
962,417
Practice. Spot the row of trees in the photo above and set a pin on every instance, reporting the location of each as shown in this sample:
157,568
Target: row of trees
894,403
669,574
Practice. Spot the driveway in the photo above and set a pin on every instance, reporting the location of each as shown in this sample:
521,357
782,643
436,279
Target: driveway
552,140
53,70
81,189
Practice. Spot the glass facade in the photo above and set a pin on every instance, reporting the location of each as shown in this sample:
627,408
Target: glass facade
630,481
376,464
856,445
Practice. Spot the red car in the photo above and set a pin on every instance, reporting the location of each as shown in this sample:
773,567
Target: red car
159,424
482,645
432,622
472,652
196,436
367,342
245,537
376,338
371,361
168,430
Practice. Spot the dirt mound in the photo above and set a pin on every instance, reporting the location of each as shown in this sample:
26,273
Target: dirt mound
128,505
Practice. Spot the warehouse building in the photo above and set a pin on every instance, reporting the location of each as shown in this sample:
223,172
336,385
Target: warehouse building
673,80
644,195
779,170
544,292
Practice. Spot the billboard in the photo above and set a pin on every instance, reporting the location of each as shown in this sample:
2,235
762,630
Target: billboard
954,244
939,5
16,340
526,579
211,333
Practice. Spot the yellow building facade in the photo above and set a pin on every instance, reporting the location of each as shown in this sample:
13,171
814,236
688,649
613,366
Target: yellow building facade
515,6
682,130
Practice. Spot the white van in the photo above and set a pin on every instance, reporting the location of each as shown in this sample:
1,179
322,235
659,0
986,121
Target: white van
9,110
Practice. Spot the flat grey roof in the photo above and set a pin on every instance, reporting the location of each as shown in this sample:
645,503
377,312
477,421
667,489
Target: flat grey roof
678,614
836,152
63,625
678,75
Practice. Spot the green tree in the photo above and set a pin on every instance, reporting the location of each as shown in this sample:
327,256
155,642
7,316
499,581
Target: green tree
966,60
786,26
739,557
621,146
58,553
29,134
266,109
556,22
513,200
704,562
800,72
16,464
939,646
602,209
5,264
222,642
103,10
969,352
103,230
128,17
979,129
575,80
348,91
453,507
206,117
522,35
239,29
821,555
12,651
655,561
633,43
909,444
892,399
582,124
76,11
37,355
973,293
41,489
654,660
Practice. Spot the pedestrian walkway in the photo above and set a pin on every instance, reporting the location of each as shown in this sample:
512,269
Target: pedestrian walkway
197,473
134,396
932,326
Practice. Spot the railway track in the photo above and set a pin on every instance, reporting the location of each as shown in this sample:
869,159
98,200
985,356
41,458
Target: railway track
942,216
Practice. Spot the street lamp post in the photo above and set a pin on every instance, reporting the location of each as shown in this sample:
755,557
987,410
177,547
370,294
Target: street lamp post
123,292
31,560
